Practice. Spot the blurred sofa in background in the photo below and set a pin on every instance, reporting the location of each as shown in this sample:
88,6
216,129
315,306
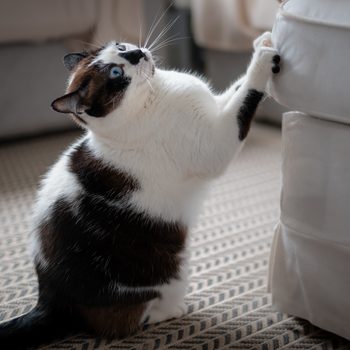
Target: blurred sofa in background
35,35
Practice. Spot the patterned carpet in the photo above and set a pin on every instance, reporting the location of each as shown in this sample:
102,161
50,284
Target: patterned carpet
228,306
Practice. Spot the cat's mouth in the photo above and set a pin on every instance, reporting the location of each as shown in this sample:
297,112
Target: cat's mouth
146,65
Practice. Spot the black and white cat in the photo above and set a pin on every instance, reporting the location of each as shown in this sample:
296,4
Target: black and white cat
111,221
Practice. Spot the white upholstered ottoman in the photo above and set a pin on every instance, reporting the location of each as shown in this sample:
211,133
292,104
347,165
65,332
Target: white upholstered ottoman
310,258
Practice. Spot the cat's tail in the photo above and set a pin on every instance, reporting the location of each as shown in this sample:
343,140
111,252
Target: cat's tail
40,326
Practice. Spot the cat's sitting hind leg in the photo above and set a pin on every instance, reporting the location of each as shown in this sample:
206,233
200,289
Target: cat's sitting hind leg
169,305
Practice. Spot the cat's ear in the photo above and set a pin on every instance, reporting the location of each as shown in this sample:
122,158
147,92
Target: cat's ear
72,59
69,103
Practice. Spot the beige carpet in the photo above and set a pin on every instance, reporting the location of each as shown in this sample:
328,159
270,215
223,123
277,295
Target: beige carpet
228,305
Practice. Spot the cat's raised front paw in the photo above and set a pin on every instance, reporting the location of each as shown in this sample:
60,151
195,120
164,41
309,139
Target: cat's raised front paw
263,47
266,59
265,63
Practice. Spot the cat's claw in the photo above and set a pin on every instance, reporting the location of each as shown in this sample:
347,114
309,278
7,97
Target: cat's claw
264,39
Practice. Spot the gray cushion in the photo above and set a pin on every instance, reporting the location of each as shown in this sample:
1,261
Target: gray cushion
32,76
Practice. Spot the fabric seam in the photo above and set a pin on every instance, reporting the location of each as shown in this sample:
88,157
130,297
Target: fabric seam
305,19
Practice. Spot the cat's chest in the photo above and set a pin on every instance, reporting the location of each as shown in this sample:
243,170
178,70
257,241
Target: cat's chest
162,186
166,190
170,197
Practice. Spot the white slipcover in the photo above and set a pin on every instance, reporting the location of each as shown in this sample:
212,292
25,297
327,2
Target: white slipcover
310,259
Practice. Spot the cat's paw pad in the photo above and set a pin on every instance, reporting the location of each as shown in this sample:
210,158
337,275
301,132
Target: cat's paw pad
265,63
268,59
276,60
264,39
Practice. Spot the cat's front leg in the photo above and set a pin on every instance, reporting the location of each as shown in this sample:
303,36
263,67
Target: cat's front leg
243,104
223,138
263,42
228,124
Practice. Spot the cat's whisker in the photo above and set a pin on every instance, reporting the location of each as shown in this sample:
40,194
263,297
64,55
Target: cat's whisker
155,25
162,34
148,80
165,30
149,83
115,100
156,22
111,100
168,43
144,73
149,33
164,41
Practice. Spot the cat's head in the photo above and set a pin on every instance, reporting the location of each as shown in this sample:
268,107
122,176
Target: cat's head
100,80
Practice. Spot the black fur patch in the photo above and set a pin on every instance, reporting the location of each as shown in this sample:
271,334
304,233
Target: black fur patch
104,94
92,90
43,324
97,243
133,56
247,111
98,178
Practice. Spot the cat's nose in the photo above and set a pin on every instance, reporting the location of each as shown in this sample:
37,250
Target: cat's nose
133,56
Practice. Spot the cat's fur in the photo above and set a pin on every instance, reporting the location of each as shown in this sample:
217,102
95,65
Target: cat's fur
111,220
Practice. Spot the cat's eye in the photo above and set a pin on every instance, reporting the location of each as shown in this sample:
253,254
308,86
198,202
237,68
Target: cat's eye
121,47
115,72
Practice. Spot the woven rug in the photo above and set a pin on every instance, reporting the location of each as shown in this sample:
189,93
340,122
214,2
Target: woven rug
228,305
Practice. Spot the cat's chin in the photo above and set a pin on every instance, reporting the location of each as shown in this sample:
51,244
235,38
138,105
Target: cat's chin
78,120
